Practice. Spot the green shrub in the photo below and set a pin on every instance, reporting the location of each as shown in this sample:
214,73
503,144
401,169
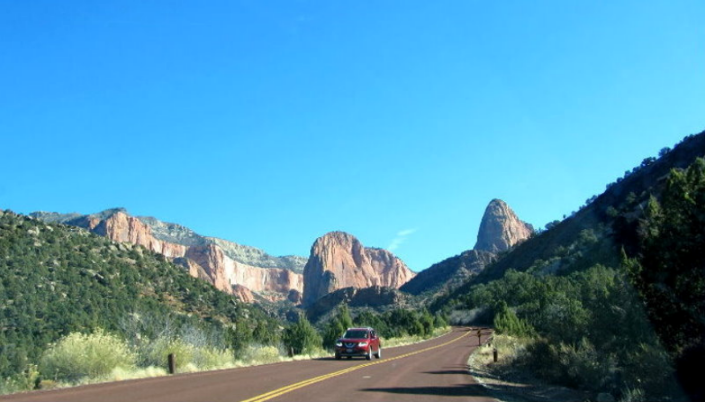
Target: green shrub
86,355
439,321
633,395
506,322
259,354
649,369
426,320
155,353
579,366
403,322
583,367
24,381
208,358
332,331
302,337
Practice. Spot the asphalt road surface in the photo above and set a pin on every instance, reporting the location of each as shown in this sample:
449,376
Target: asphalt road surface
434,370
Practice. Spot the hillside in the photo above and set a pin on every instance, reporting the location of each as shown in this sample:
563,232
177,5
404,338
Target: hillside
587,236
57,279
449,273
230,267
611,297
500,230
377,298
179,234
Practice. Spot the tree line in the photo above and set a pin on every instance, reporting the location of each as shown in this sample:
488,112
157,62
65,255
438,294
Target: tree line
56,280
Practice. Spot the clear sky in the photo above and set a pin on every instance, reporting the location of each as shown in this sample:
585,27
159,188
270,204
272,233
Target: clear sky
271,123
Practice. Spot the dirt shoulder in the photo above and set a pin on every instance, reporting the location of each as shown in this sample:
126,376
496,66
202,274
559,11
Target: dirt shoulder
509,385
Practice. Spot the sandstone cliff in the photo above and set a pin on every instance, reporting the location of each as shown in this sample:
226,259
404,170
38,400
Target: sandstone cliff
500,228
123,228
230,267
338,260
243,294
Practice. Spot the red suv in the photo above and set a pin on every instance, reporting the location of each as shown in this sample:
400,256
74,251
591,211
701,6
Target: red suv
359,342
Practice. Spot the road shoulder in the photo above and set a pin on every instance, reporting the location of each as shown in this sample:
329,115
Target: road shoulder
506,385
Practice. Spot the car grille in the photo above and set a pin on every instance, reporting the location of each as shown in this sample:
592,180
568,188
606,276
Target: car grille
350,344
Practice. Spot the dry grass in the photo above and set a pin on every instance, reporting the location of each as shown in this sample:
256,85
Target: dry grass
197,360
409,340
507,382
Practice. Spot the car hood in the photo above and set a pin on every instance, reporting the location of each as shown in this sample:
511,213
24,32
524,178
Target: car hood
353,340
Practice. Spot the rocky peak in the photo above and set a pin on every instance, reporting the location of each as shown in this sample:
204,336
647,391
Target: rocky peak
500,228
338,260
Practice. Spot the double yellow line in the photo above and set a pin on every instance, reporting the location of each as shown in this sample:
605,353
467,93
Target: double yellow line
293,387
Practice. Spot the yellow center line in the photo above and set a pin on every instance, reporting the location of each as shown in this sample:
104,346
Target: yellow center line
292,387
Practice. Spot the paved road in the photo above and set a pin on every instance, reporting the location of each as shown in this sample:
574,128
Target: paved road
430,371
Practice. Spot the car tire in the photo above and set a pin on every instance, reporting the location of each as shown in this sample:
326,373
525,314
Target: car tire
337,356
369,354
379,353
349,357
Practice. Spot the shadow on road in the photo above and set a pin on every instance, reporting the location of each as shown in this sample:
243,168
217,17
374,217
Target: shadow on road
461,372
453,370
458,390
323,359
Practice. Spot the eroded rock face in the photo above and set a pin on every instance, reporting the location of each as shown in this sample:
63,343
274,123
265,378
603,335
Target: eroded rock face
338,260
206,258
500,228
123,228
243,293
212,262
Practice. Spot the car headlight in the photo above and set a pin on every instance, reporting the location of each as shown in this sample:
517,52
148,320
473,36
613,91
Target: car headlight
339,344
362,344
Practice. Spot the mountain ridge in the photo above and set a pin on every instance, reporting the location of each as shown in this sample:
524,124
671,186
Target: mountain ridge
622,275
182,235
206,258
639,182
500,230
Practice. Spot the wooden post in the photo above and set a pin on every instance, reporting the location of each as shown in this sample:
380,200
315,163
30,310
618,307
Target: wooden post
479,337
494,354
172,363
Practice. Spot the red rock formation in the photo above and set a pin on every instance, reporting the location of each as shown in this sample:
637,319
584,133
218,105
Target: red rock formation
338,260
243,293
124,228
264,280
205,260
500,228
211,260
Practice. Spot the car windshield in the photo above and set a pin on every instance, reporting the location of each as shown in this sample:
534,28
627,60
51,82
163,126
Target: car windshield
355,334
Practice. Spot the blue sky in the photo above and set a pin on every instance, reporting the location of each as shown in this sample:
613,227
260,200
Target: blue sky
270,123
